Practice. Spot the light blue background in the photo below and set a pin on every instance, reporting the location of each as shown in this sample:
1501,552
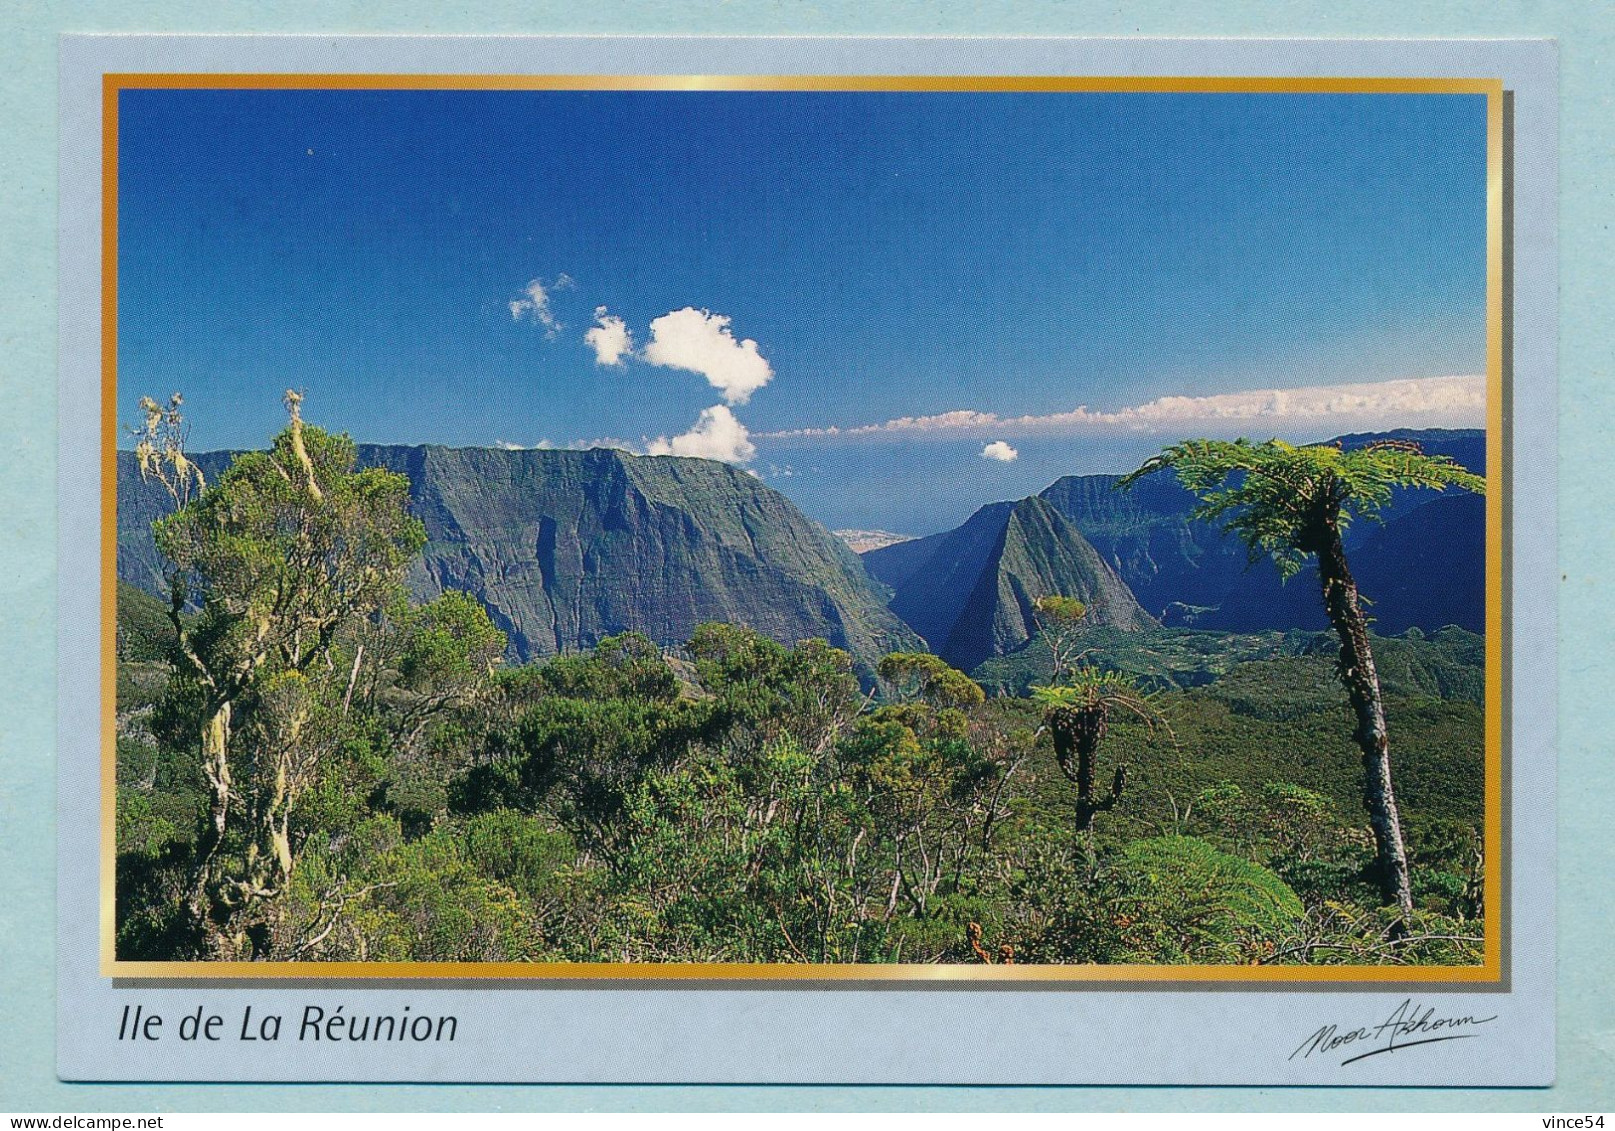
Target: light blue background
27,466
910,1036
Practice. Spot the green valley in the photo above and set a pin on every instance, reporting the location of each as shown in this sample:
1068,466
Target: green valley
429,704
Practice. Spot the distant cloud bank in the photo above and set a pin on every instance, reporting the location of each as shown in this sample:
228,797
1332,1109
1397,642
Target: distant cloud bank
1453,402
700,342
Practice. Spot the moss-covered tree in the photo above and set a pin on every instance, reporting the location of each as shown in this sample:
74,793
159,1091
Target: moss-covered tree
1060,621
289,550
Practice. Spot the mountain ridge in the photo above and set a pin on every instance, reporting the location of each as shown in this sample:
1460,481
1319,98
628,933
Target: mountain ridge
1189,572
971,592
566,547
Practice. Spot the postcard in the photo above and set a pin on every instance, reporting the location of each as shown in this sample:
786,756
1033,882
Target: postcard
1001,561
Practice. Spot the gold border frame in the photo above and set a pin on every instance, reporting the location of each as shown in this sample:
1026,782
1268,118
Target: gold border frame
1489,972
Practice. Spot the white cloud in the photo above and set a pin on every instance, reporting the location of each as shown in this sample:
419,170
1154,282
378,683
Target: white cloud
701,342
611,442
534,303
609,338
1452,402
999,451
716,435
541,446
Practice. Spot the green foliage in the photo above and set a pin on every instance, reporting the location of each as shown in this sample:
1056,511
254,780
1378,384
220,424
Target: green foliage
516,850
1087,688
741,800
450,648
496,888
1310,689
1449,873
297,560
1448,664
1060,609
261,552
141,830
629,666
920,675
345,784
764,691
151,885
1183,901
584,757
727,655
1291,503
1348,932
1159,659
1280,729
1164,900
704,879
424,901
145,634
159,797
700,827
1280,821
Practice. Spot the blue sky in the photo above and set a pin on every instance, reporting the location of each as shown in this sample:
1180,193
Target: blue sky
780,270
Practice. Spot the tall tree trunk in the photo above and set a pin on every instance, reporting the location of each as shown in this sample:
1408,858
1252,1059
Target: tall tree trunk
1361,681
215,742
1087,743
1077,733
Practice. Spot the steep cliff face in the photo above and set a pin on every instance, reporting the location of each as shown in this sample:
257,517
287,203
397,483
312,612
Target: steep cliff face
932,578
1426,569
1188,572
567,547
564,548
971,592
1169,561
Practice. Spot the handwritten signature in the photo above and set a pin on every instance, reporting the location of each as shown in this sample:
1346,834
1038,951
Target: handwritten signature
1406,1021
